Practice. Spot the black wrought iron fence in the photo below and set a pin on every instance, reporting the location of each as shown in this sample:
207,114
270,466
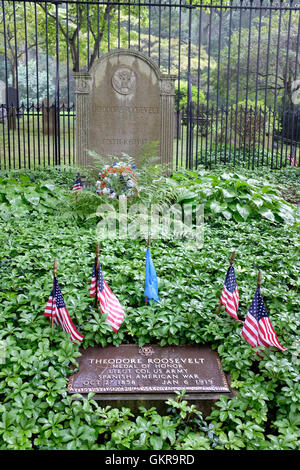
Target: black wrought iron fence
236,62
37,136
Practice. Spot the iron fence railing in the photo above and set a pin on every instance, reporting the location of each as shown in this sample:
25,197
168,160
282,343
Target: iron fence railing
236,62
37,136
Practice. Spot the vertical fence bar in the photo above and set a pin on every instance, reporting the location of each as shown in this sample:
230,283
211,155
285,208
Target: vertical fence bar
129,25
149,29
179,127
78,10
7,100
57,93
198,114
13,124
48,95
227,85
266,110
208,112
23,127
169,52
119,26
189,127
276,83
68,82
73,133
108,26
17,83
139,27
238,89
64,131
218,79
37,84
3,152
98,27
247,87
88,34
27,89
285,75
293,114
212,111
256,112
159,31
32,112
2,148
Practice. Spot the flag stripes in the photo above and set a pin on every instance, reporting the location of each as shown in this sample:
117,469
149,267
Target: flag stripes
56,309
230,294
77,185
257,329
230,302
109,303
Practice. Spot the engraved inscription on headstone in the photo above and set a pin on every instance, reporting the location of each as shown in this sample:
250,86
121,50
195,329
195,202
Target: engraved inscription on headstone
151,369
123,104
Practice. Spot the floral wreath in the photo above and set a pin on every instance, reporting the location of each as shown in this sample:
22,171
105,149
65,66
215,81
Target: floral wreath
117,180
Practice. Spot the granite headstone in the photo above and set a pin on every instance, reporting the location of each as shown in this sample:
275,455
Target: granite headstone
124,104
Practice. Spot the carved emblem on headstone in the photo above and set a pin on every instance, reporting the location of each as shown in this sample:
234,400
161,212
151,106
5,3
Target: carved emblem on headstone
166,87
82,86
124,81
146,350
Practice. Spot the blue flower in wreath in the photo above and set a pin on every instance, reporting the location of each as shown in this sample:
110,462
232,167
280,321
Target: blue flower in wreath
114,163
133,167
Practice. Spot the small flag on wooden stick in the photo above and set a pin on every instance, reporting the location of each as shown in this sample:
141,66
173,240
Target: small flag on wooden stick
57,312
108,302
77,186
257,329
230,293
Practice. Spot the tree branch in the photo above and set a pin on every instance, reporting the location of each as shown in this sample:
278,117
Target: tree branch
107,15
54,18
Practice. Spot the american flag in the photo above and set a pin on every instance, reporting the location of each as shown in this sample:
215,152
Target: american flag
56,309
257,329
109,303
230,294
77,185
292,160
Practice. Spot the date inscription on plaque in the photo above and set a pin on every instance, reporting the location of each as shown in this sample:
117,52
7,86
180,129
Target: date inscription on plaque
153,369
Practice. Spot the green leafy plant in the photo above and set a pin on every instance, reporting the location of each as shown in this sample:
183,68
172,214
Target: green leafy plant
235,196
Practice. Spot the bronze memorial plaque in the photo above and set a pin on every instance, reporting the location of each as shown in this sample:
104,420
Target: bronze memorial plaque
149,369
